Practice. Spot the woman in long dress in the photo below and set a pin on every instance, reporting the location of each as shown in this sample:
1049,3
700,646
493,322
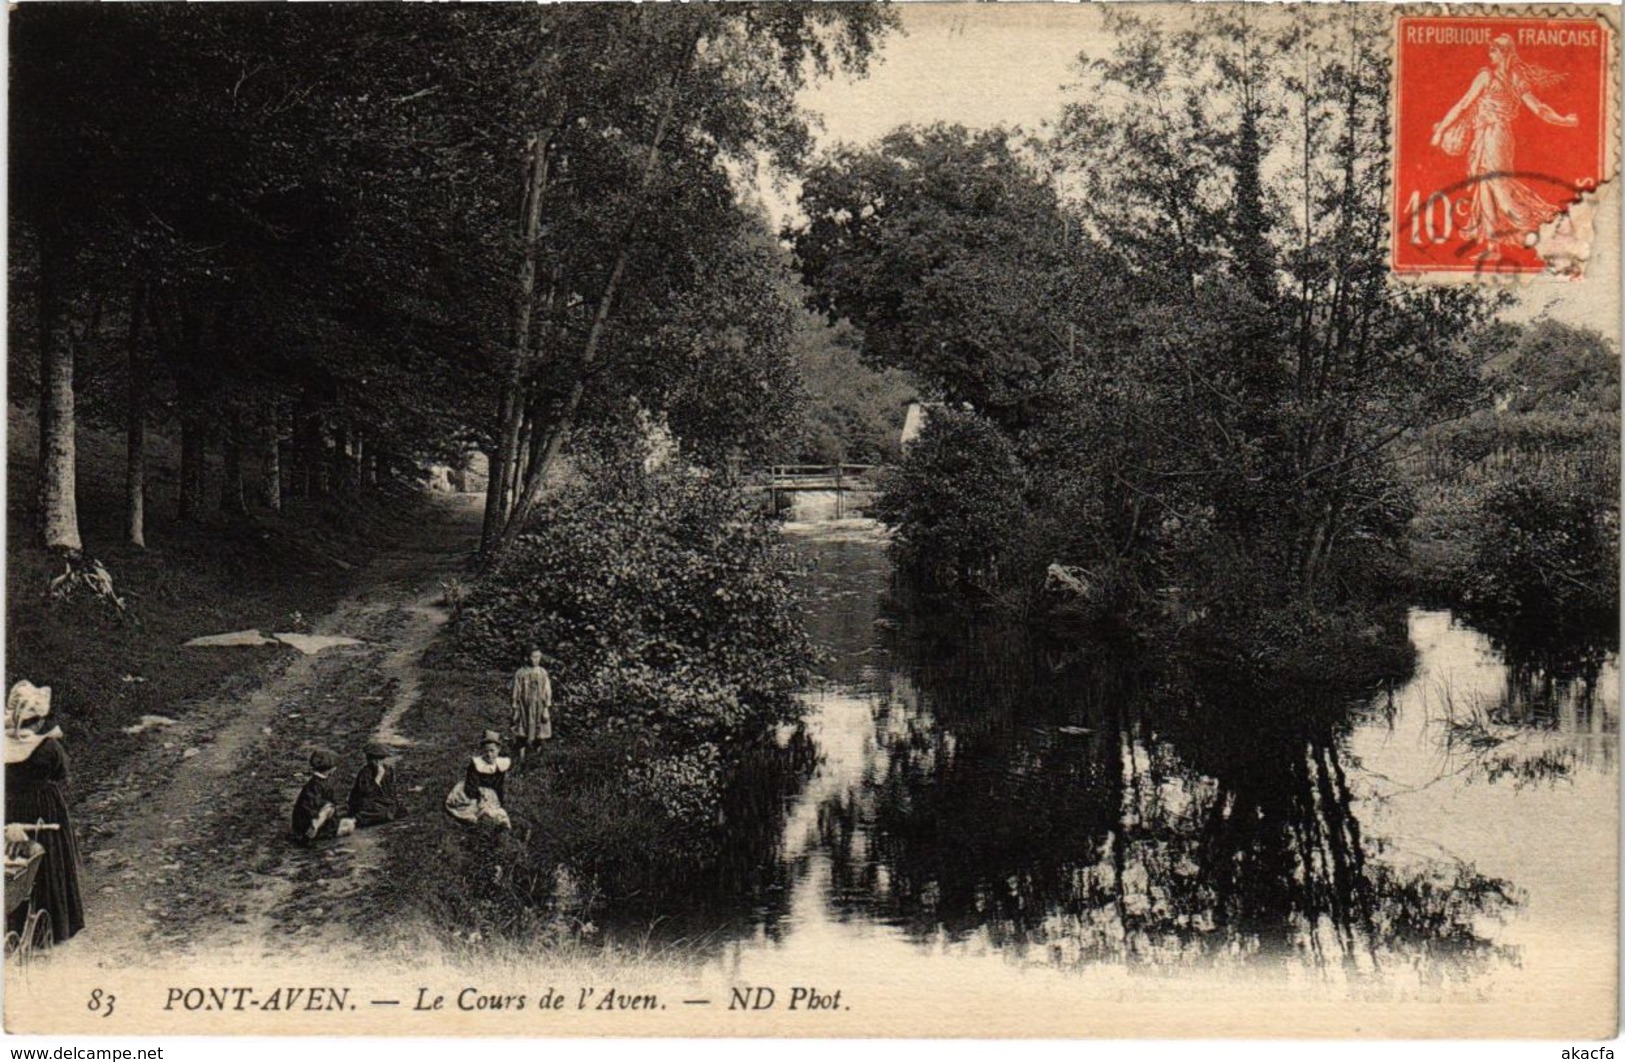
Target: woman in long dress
1502,207
36,777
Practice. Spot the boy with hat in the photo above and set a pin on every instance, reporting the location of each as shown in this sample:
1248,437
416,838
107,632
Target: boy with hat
315,813
372,797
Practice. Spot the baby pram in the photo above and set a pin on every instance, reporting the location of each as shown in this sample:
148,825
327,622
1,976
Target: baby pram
23,858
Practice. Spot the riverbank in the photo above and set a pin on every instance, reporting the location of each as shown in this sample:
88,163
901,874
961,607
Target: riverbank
660,600
979,807
981,798
481,895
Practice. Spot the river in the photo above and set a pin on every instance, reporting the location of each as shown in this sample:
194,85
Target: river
977,799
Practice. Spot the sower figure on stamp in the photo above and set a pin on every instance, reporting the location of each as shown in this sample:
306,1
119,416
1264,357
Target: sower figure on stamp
1503,208
532,706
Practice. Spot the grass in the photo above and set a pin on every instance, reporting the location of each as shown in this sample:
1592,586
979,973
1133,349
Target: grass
597,843
477,897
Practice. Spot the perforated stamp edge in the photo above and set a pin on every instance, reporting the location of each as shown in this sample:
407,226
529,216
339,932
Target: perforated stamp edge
1567,242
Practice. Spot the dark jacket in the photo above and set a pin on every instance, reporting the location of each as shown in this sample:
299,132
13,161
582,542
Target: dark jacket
373,800
34,793
482,775
317,794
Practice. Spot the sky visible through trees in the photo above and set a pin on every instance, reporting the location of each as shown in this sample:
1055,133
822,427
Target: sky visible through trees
947,66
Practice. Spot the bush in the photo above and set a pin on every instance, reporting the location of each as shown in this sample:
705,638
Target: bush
954,503
663,601
1545,554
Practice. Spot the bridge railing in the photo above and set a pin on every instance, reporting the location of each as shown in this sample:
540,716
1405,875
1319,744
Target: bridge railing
821,470
777,482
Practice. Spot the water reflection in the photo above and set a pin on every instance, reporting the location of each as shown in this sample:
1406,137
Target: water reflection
1517,713
967,822
967,790
1091,817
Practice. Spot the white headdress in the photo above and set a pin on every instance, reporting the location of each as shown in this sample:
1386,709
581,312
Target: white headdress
26,704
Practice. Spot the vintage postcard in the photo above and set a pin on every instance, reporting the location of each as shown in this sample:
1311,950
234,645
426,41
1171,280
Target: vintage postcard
778,520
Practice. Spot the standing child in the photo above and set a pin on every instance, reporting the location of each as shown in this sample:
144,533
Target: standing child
532,706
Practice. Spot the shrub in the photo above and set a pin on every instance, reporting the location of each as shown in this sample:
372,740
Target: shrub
1545,554
954,503
663,601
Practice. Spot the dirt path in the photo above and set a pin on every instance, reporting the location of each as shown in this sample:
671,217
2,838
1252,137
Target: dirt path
185,851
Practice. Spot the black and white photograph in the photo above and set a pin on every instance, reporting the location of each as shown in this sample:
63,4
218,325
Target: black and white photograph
780,519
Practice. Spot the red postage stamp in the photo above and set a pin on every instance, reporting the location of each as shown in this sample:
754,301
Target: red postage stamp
1501,126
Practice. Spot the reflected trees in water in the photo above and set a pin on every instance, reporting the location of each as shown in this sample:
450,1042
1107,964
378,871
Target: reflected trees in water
1100,817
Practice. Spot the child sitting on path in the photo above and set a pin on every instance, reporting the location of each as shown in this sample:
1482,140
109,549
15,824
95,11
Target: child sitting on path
316,812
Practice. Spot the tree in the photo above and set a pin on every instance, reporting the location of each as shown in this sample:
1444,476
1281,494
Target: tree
1546,557
705,87
951,254
135,426
330,250
269,274
1558,367
955,502
851,412
1184,325
1260,143
39,195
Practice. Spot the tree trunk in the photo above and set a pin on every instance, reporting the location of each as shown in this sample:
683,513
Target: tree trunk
300,457
135,430
58,501
525,450
537,473
503,483
323,461
45,337
271,459
193,459
309,448
507,459
537,445
531,493
339,458
495,508
1252,219
232,495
